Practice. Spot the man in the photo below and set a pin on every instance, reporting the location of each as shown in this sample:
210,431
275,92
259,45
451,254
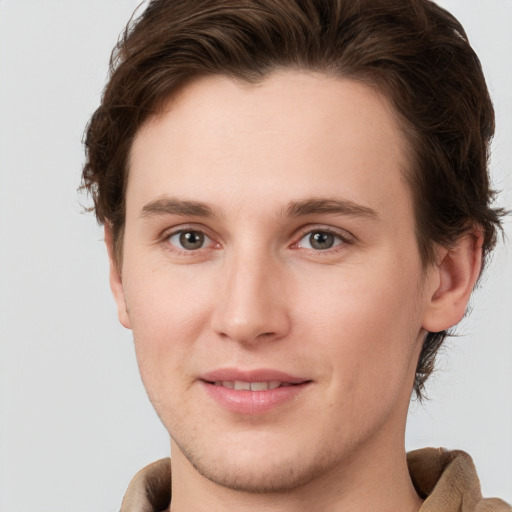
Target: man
297,208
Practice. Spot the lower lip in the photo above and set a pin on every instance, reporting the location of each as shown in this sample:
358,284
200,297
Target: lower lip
253,402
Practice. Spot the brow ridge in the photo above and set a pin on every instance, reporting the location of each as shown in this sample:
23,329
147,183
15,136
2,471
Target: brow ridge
329,206
172,206
314,206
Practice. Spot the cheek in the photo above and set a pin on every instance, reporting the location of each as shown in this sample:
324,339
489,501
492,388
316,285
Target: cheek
369,327
167,314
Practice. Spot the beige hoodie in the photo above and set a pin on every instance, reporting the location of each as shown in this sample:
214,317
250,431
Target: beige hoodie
446,480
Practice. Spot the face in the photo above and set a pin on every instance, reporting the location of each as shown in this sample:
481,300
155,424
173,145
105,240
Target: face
271,277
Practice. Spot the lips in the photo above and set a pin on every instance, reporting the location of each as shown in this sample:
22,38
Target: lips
252,376
252,392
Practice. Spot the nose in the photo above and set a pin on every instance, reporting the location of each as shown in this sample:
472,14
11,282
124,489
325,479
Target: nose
252,305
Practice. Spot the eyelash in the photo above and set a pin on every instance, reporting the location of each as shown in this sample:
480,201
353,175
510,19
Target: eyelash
342,239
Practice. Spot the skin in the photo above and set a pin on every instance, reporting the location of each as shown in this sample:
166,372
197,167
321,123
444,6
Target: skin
350,318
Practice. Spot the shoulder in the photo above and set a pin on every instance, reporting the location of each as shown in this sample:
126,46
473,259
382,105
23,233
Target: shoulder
448,481
150,488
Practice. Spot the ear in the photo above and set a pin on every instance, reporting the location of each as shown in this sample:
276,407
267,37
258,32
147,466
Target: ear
116,283
453,279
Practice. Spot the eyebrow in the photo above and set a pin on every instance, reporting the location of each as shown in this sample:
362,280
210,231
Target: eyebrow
329,207
315,206
169,206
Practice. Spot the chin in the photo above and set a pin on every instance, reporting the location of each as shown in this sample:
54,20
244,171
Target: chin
254,478
258,471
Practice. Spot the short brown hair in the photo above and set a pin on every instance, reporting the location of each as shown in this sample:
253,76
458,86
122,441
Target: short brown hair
413,51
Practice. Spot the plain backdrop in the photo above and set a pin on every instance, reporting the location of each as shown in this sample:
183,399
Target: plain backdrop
75,424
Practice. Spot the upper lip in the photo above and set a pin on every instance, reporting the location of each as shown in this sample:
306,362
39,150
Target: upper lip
257,375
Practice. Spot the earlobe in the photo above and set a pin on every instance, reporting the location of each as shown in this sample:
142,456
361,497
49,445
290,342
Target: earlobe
454,277
116,284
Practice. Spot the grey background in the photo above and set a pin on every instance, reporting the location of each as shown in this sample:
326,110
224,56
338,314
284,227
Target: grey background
75,423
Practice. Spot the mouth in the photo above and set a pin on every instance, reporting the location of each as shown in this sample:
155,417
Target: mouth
253,392
251,386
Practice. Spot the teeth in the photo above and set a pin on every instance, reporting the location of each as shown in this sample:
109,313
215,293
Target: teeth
259,386
239,384
250,386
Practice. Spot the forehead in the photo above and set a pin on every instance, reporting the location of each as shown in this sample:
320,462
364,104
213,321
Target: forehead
298,132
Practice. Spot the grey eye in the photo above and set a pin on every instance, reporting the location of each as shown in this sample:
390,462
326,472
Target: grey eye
189,240
320,240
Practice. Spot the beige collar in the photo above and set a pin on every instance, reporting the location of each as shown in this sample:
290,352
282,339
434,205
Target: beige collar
447,480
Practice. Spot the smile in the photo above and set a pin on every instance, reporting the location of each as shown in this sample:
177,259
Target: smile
253,392
251,386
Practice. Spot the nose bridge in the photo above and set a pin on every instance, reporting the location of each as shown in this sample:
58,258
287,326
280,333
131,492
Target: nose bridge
251,305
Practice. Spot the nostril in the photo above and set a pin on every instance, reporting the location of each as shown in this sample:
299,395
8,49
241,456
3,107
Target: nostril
266,334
